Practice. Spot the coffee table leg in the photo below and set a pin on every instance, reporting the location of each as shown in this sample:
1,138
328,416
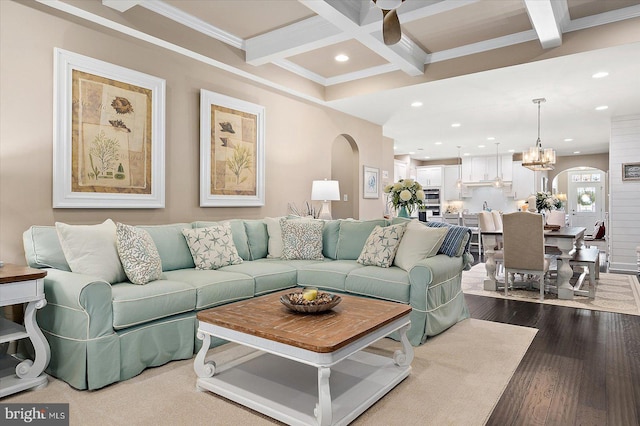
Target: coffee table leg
199,366
323,408
404,356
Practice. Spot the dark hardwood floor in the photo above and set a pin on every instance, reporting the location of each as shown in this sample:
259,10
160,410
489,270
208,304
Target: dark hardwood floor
582,368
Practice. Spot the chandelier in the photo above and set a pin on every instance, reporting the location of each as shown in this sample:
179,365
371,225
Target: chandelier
536,158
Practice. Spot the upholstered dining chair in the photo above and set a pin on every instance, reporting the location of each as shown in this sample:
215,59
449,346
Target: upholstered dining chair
497,219
556,217
523,237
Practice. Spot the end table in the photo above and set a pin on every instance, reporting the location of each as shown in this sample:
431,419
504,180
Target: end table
21,284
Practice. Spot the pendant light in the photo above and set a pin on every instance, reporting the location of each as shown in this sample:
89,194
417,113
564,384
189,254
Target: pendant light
497,181
459,183
536,158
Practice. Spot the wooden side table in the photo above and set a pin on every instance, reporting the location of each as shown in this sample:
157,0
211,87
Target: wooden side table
21,284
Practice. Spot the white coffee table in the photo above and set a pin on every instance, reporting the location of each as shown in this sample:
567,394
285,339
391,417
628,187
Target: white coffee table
307,368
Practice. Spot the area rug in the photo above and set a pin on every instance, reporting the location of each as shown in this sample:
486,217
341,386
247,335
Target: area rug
614,292
457,378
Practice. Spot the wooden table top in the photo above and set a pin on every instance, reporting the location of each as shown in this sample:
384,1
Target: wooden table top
11,273
564,232
267,317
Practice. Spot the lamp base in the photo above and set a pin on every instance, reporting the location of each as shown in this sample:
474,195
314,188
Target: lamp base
325,212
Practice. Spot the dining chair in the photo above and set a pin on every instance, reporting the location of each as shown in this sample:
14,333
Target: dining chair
497,219
486,223
523,237
556,217
452,218
470,220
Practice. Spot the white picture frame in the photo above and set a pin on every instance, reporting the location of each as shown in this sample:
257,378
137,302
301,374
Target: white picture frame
370,182
232,152
117,117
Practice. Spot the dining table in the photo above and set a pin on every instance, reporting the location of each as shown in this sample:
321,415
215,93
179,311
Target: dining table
567,239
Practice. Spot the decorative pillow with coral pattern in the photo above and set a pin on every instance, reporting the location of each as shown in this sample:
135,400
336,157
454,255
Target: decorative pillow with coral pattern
138,254
301,239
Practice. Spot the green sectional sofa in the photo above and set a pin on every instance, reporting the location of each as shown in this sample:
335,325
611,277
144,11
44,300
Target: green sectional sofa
101,332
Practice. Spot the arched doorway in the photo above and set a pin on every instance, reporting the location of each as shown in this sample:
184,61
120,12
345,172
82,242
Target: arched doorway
344,169
586,191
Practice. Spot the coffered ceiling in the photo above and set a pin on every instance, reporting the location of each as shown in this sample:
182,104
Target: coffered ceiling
474,62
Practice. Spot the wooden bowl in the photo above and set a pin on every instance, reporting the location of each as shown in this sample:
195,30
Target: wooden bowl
327,302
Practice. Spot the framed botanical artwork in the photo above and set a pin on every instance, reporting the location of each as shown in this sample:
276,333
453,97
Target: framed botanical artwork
631,171
231,151
371,182
108,149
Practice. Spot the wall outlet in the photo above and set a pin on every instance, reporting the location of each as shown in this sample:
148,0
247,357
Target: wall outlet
345,197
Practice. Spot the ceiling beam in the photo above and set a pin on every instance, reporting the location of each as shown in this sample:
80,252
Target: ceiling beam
120,5
546,20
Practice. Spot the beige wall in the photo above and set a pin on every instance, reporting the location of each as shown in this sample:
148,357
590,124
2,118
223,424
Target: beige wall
299,134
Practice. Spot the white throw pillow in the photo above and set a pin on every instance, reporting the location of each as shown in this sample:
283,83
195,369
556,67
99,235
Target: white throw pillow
381,246
138,254
212,247
91,250
418,242
274,230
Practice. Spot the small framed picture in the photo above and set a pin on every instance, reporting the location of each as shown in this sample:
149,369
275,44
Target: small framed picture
371,179
631,171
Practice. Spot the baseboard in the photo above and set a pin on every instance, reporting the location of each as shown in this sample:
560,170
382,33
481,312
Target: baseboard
623,268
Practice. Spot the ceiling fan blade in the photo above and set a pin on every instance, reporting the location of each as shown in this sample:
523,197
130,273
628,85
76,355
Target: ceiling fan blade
391,32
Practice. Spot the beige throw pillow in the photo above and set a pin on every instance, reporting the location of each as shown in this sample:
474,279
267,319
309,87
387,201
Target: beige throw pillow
274,230
418,242
91,250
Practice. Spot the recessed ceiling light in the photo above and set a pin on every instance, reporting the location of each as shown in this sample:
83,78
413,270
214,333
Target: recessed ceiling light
341,58
455,125
512,150
411,152
426,157
416,104
438,143
576,152
601,108
480,146
600,74
491,138
466,153
568,140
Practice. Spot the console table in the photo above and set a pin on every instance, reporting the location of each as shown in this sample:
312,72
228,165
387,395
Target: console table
21,284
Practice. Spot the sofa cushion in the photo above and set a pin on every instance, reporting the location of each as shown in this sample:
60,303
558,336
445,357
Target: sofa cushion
239,235
381,246
352,236
42,248
382,283
418,242
456,241
91,250
329,275
257,238
137,304
267,276
302,239
212,247
171,245
138,254
214,287
275,236
330,234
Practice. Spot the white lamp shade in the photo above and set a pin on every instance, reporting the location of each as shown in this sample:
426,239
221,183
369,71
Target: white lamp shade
325,190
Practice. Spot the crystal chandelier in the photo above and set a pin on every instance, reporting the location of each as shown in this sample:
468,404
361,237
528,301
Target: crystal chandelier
536,158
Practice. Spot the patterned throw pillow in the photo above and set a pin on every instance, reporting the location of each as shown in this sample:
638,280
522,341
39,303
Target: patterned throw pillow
301,239
138,254
456,241
381,246
212,247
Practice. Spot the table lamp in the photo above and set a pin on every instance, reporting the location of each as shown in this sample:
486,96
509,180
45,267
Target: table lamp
325,191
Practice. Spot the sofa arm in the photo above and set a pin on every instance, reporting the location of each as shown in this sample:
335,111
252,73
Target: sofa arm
436,295
78,306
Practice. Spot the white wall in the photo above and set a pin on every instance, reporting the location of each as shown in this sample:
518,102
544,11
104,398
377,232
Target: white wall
624,196
495,198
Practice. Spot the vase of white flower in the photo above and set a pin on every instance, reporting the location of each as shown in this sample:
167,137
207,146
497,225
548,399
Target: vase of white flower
547,201
405,196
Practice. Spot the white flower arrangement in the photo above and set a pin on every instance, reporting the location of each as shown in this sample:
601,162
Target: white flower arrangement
405,193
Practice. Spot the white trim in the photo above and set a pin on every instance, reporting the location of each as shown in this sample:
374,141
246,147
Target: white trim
192,317
79,340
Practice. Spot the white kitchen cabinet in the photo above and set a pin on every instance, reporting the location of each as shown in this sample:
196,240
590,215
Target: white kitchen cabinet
399,170
483,168
449,190
429,175
523,182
